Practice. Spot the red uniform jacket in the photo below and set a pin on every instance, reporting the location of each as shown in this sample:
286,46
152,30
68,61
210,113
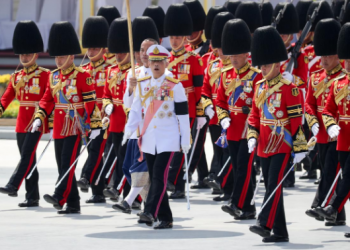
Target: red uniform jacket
110,59
235,98
71,93
319,87
211,84
187,67
113,94
28,86
314,61
301,73
276,118
98,71
338,102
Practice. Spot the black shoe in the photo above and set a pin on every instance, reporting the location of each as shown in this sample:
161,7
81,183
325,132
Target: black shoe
10,190
260,230
123,207
275,238
84,190
313,214
29,203
52,200
139,213
317,181
309,175
214,184
200,185
329,213
83,183
96,199
170,186
217,191
224,197
136,205
210,177
111,193
69,210
334,224
347,235
164,225
177,195
148,218
232,210
246,216
288,184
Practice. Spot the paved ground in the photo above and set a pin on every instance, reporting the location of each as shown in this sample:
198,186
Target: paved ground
205,226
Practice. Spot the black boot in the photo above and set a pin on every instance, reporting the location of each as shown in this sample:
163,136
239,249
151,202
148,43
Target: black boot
310,175
177,195
224,197
335,224
200,185
83,183
313,214
10,190
170,186
111,193
52,200
246,216
148,218
96,199
232,210
275,238
29,203
123,207
164,225
214,184
260,230
69,210
136,205
328,212
347,235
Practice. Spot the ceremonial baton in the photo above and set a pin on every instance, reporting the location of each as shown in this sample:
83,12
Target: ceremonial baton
104,165
187,184
73,164
131,45
330,190
193,148
110,169
222,170
121,183
41,156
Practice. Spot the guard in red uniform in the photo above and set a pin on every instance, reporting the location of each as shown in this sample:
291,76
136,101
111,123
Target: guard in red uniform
276,121
113,107
186,67
28,86
338,104
72,96
325,42
234,101
94,38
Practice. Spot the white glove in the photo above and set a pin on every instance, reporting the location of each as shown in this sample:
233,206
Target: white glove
109,109
201,121
333,131
36,125
185,148
94,133
299,157
315,129
288,76
126,136
209,111
51,133
251,145
105,122
225,123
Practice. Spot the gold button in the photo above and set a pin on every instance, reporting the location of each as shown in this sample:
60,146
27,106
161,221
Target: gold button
27,108
117,87
155,126
27,97
118,93
154,116
60,112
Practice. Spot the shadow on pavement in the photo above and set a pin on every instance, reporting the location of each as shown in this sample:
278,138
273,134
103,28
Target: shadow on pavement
288,245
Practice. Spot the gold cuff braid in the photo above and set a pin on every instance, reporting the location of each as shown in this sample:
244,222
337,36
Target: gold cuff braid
328,121
41,115
252,134
222,113
105,102
206,102
50,120
311,119
199,109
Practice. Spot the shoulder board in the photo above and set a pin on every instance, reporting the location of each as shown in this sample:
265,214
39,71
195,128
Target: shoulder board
261,81
192,53
227,68
255,69
79,69
317,71
285,81
344,71
172,79
136,67
44,69
339,77
85,64
54,70
143,78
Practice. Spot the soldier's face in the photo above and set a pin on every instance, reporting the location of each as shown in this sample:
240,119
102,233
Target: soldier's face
176,41
122,57
64,61
143,51
347,65
221,55
158,67
270,71
238,61
92,52
329,62
26,58
287,39
194,37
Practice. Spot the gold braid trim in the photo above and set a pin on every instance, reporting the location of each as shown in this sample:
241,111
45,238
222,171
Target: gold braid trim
199,109
328,121
105,102
222,113
206,102
300,143
252,134
50,120
41,115
311,119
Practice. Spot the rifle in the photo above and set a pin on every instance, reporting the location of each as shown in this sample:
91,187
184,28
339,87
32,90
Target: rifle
293,60
342,11
279,16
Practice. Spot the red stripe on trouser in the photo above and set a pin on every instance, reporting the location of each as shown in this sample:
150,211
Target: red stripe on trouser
139,198
276,199
110,176
246,182
183,158
102,148
343,203
165,180
226,176
71,173
122,186
30,163
333,190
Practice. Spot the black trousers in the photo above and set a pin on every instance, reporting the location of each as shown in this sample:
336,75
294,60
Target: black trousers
218,157
242,163
27,144
66,151
343,191
157,202
273,216
93,165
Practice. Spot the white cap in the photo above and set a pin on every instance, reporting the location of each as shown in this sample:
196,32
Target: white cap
157,53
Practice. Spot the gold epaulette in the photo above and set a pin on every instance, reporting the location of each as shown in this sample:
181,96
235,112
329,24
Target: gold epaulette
172,79
44,69
227,68
192,53
136,67
261,81
215,60
339,77
54,70
285,81
143,78
79,69
255,69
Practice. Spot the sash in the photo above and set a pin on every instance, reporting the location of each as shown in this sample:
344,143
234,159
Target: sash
151,111
322,86
177,60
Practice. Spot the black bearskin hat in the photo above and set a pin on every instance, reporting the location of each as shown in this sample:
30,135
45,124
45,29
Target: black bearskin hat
326,37
27,38
118,36
178,21
197,14
236,37
289,23
95,32
266,13
250,13
158,15
142,28
232,5
218,26
325,12
109,12
213,11
302,8
344,42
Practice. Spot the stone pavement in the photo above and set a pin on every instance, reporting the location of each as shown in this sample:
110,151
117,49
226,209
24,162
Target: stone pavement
205,226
